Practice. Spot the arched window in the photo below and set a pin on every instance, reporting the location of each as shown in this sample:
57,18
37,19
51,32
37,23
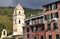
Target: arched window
4,33
19,12
19,21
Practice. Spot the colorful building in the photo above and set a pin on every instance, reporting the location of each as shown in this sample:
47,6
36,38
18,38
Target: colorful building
45,25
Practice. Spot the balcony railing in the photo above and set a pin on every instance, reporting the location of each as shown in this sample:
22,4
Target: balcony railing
35,22
40,20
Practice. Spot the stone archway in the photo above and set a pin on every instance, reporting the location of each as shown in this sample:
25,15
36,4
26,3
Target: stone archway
4,33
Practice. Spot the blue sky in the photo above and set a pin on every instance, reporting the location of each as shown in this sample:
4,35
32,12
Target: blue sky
25,3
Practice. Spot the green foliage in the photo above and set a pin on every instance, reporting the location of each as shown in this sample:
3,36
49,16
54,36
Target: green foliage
28,12
6,20
1,28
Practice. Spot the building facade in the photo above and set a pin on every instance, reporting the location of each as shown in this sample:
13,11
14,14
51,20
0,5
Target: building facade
18,21
45,25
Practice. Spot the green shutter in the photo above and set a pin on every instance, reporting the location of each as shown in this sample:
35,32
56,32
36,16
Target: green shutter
48,17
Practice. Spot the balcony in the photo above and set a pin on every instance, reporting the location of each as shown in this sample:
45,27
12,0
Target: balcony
35,22
40,20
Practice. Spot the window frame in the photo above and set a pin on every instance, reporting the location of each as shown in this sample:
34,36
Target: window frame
19,12
41,18
47,7
49,28
53,6
35,37
58,36
50,36
47,17
42,27
34,28
55,26
54,15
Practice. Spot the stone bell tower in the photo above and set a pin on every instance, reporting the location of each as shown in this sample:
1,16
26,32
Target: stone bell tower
18,20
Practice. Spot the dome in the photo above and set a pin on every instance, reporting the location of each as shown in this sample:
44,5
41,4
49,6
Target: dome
19,7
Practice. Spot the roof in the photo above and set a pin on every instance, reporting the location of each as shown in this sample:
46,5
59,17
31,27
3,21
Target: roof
34,16
50,1
19,7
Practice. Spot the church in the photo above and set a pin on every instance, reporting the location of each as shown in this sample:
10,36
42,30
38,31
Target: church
18,20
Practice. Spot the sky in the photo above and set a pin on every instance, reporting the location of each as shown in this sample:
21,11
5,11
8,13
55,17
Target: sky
25,3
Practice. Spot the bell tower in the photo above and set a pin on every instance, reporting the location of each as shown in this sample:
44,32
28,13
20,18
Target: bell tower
18,20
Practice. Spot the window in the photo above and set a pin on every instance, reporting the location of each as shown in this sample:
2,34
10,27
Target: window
54,15
47,7
55,25
34,29
35,37
42,27
34,21
19,12
30,22
48,26
47,17
4,33
27,35
42,37
19,21
57,36
50,36
27,29
53,6
41,20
